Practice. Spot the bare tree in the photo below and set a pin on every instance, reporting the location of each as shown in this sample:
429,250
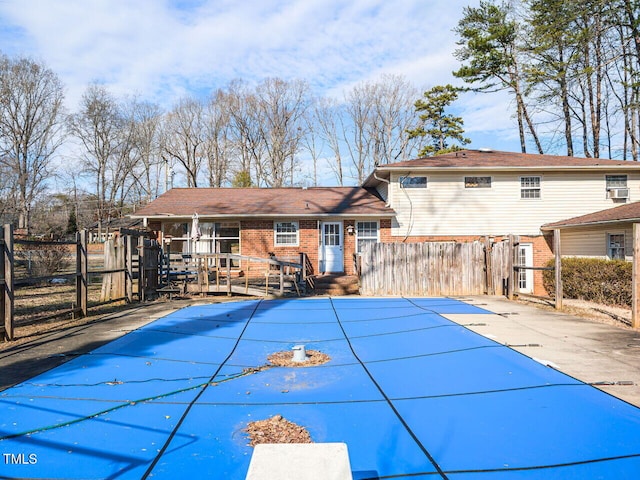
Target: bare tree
146,118
106,142
245,133
182,138
375,121
31,97
280,115
358,115
393,115
326,113
218,145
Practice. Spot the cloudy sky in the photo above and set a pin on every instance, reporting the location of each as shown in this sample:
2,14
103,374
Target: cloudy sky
163,49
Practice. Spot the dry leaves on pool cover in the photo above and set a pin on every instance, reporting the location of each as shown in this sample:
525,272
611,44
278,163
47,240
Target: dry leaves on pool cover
285,359
276,430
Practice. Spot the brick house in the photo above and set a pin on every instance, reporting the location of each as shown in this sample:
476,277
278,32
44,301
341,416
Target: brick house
328,224
456,197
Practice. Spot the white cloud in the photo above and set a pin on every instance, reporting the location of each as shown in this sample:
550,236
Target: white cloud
164,48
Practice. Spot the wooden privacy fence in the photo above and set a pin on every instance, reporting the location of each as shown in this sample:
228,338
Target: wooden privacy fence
434,268
128,257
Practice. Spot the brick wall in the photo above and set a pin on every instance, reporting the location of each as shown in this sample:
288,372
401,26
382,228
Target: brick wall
257,240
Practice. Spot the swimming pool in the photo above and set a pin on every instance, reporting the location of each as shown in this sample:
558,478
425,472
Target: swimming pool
411,393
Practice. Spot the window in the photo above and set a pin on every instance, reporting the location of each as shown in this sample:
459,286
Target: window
529,187
617,187
477,182
178,235
286,234
366,232
227,240
413,182
616,246
616,181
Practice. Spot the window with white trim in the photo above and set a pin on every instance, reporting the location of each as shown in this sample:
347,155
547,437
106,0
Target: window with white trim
366,232
616,186
286,234
615,246
529,187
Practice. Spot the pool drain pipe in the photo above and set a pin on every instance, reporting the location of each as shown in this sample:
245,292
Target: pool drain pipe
299,353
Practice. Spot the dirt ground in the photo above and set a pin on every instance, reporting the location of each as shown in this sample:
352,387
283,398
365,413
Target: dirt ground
611,315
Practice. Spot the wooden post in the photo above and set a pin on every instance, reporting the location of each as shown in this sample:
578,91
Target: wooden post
281,280
488,266
558,267
511,277
228,276
142,272
635,277
303,270
8,292
82,273
129,265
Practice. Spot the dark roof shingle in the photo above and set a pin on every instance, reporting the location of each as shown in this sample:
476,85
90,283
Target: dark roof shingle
629,212
256,202
497,159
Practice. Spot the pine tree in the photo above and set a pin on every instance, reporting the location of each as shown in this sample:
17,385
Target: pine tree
438,126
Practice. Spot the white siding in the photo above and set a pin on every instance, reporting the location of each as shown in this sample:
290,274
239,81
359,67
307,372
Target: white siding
446,207
592,242
383,190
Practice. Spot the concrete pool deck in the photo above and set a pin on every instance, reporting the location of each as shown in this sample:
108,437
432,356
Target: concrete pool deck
590,351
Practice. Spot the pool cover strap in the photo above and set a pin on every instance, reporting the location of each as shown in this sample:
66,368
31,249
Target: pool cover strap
387,399
195,399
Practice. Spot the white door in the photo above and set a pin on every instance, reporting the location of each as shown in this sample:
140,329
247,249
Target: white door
525,276
332,252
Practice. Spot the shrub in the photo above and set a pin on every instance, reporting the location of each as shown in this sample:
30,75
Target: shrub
49,260
595,280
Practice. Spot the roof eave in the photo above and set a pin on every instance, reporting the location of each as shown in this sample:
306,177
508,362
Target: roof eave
508,168
265,215
551,227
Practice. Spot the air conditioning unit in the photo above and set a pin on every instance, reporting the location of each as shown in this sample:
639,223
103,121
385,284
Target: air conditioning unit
618,193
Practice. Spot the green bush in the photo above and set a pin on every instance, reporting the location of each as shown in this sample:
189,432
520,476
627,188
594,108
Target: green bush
595,280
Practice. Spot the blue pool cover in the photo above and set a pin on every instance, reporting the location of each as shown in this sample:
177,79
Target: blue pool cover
412,394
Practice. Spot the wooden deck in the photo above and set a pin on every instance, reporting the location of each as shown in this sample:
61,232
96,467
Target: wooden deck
198,273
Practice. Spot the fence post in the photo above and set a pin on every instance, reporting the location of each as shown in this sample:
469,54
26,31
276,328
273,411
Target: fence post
228,275
129,267
558,267
512,277
635,291
488,266
281,280
8,292
82,273
142,272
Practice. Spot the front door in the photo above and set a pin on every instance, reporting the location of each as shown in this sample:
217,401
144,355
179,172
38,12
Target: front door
332,254
525,276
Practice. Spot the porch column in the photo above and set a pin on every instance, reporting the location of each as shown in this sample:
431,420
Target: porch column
558,267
